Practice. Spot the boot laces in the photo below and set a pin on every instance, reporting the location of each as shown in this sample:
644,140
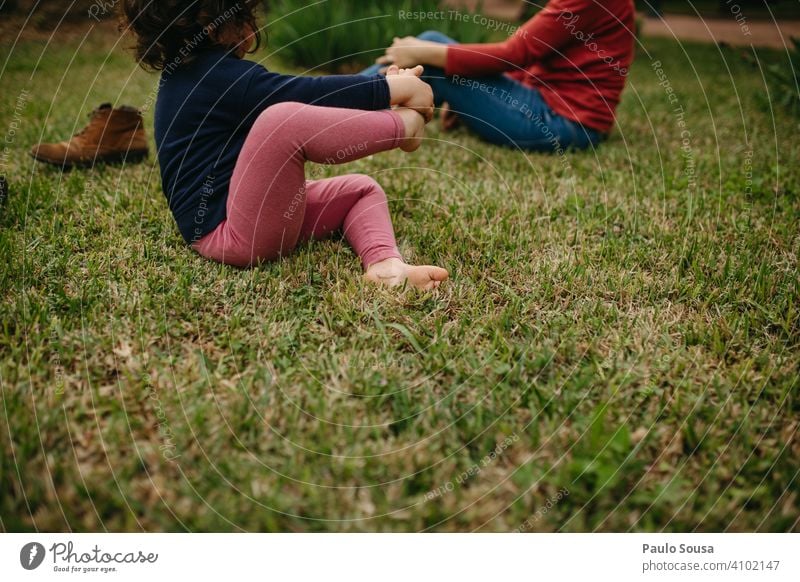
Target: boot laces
91,117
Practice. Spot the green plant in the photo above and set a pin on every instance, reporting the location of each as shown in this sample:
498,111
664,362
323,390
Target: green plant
346,35
783,79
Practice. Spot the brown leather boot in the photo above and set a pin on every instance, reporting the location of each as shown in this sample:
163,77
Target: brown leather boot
113,135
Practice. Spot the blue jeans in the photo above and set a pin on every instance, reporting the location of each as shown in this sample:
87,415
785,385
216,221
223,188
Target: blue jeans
504,111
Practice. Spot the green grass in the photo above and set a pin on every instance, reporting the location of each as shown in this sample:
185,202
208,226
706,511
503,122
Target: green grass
628,332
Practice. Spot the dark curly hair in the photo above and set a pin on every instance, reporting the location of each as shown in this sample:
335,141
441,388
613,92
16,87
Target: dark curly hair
171,32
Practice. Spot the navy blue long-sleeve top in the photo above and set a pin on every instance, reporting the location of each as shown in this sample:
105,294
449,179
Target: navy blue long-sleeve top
206,108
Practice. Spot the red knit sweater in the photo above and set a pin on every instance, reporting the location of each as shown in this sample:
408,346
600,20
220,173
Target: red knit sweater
576,52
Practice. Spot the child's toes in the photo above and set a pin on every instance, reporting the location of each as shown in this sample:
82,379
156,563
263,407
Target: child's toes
427,277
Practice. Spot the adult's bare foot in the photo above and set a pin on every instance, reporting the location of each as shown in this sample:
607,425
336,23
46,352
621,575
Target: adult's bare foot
394,272
448,120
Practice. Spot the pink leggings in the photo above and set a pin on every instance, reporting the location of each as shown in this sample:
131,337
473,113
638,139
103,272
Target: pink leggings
271,206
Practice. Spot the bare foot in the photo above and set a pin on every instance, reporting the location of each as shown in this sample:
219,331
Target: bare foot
414,125
448,119
394,272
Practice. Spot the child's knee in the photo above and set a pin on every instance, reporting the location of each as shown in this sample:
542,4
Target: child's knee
279,114
367,185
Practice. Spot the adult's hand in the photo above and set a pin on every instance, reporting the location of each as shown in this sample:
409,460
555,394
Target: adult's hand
410,51
395,70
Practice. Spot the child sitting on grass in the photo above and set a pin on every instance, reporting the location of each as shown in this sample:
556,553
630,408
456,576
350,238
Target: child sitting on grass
233,140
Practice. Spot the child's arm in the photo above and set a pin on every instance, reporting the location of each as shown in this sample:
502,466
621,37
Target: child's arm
264,89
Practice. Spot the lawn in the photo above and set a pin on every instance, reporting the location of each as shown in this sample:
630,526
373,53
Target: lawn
618,349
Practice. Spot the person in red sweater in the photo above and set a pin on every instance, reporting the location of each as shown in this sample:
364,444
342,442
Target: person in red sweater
554,84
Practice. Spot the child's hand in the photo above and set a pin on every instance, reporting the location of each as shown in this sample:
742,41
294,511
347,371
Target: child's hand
413,72
421,101
408,90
